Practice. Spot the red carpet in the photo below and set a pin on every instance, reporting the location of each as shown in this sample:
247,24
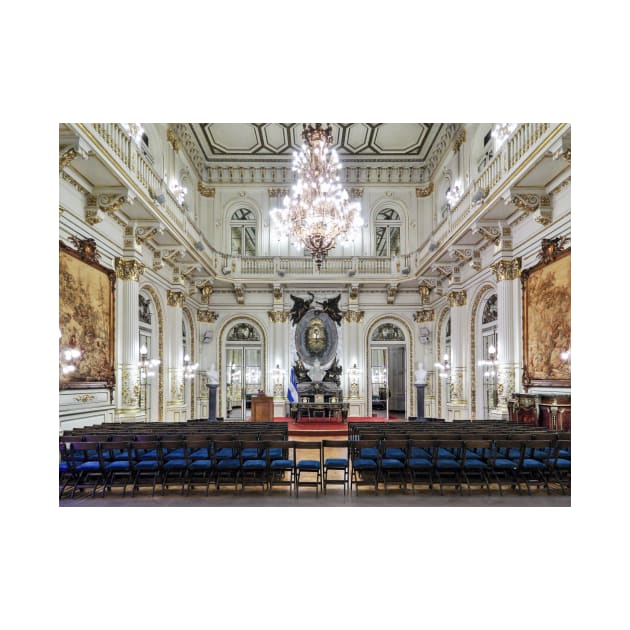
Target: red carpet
313,427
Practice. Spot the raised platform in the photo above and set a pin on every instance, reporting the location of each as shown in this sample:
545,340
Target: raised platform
314,426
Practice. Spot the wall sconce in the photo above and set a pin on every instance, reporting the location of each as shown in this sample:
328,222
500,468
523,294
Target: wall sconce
189,368
69,357
278,381
354,373
179,192
445,368
146,367
490,363
453,195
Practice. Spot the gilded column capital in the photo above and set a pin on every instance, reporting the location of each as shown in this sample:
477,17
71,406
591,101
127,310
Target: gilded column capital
205,190
206,291
356,193
425,315
207,316
425,190
457,298
67,157
278,316
354,316
507,269
175,298
128,269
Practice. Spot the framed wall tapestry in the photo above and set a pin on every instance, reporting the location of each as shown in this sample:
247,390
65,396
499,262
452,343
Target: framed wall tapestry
547,317
86,315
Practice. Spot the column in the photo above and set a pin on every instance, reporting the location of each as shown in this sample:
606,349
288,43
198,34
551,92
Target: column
425,319
128,272
507,273
174,358
459,383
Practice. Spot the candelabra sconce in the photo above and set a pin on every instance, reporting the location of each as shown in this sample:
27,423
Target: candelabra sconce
278,382
179,192
189,368
354,372
453,196
146,367
445,368
69,358
491,365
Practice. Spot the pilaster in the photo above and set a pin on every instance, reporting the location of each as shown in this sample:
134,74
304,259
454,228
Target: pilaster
175,406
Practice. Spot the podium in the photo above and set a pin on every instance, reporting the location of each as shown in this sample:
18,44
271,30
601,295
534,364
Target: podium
262,408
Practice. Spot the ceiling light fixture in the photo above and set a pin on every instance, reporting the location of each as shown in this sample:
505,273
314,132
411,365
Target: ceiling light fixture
318,212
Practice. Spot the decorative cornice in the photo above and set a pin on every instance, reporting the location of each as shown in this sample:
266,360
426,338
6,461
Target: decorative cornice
146,233
207,316
173,140
425,190
354,316
66,157
491,233
175,298
74,184
239,293
356,193
425,315
278,316
507,269
278,193
128,269
457,298
205,190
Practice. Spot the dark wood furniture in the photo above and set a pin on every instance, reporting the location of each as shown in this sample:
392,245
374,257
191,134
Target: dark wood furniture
552,411
322,411
262,408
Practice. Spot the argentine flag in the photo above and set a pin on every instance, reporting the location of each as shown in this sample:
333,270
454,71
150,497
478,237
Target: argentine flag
292,394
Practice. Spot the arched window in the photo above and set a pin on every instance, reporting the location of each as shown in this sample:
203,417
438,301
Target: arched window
387,235
243,233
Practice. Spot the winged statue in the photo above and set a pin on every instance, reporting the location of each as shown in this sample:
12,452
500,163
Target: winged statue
300,307
331,308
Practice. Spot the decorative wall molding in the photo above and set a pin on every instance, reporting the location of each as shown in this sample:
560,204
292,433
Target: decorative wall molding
507,269
128,269
457,298
175,298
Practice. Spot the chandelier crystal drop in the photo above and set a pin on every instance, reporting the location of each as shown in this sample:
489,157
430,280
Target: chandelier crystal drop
318,212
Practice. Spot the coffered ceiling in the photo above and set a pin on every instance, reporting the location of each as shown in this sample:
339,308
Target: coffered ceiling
219,142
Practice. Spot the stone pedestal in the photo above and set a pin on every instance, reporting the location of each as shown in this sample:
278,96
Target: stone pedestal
212,401
420,397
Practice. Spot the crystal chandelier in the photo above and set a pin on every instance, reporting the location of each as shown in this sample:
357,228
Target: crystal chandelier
318,211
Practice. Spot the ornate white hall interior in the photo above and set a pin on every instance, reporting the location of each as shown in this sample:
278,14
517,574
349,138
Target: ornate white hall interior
316,282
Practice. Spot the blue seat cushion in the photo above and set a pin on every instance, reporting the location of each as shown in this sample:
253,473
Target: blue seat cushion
369,452
89,467
417,452
532,464
392,463
249,453
175,464
472,454
228,464
200,464
147,464
200,453
118,465
419,462
224,453
273,453
563,463
255,464
63,467
475,463
336,463
447,463
308,464
445,454
178,453
542,453
281,464
395,453
504,463
361,463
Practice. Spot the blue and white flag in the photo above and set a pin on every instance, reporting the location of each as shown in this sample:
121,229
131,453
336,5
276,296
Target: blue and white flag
292,394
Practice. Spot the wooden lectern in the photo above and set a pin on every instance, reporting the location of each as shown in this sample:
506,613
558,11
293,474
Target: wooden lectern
262,408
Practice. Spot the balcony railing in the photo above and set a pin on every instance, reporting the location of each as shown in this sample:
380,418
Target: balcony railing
526,139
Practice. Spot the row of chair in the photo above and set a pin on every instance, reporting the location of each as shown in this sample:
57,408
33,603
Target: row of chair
199,461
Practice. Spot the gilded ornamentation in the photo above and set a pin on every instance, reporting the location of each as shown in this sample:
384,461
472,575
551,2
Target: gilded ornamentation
425,190
74,183
206,291
207,316
457,298
173,140
278,316
144,234
425,315
66,158
86,248
473,319
110,203
392,291
277,293
205,190
354,316
507,269
92,216
239,293
356,193
460,138
278,192
424,290
175,298
83,398
128,269
354,292
490,232
158,263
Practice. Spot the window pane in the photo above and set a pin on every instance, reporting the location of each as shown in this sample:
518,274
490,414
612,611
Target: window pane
250,241
236,241
243,214
394,241
381,241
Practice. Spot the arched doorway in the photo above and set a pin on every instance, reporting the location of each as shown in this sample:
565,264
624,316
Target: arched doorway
388,375
244,371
